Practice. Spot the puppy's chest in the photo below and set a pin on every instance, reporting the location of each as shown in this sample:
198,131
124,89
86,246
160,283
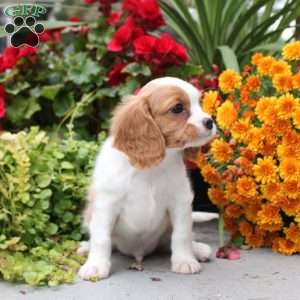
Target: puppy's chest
146,202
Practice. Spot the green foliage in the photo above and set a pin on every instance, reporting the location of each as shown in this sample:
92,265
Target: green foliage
241,26
43,185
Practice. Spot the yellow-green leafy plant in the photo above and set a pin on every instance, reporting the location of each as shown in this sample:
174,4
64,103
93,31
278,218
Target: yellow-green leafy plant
43,183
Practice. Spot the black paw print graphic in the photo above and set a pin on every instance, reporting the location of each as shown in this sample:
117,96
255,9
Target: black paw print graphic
24,32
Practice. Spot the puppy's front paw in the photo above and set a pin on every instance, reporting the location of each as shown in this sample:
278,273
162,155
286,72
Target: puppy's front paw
186,266
94,270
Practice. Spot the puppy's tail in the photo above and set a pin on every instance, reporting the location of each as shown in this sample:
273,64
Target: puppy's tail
199,217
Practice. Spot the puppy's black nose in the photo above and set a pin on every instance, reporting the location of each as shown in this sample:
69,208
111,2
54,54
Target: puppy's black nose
208,123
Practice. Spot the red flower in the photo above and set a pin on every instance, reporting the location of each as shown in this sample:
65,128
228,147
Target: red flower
115,76
2,102
124,35
26,51
53,35
159,51
144,47
9,58
74,19
114,18
170,52
146,12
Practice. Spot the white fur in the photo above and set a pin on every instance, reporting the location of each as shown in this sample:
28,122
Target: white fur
135,209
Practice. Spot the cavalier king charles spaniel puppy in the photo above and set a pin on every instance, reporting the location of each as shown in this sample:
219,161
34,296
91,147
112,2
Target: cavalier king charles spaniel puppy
140,195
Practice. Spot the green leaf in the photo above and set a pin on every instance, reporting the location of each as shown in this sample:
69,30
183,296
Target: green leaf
128,87
43,180
186,71
32,107
81,68
63,104
238,241
52,228
229,58
47,193
67,165
50,91
136,69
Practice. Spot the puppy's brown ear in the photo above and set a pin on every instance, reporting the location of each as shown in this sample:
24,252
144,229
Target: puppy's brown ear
136,134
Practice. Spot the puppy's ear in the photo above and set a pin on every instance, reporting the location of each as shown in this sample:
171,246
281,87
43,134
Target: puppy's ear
136,134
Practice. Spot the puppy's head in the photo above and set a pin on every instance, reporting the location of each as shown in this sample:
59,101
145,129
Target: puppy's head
166,113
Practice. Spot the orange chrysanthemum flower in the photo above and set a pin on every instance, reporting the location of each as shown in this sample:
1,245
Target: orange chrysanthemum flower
269,218
291,51
271,190
233,211
296,118
211,175
240,129
289,168
246,186
289,206
256,57
217,196
221,151
245,228
291,188
286,151
256,239
253,83
283,82
200,159
292,233
265,108
255,138
286,106
248,153
265,170
280,67
210,102
251,211
229,80
284,246
296,81
226,114
264,65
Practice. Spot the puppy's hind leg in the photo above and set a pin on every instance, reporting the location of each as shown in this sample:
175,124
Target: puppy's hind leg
201,251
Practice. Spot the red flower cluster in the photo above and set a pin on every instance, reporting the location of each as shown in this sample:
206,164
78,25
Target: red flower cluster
11,55
145,12
133,40
8,59
160,51
125,35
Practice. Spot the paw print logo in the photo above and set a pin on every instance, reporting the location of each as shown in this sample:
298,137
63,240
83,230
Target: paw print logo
24,31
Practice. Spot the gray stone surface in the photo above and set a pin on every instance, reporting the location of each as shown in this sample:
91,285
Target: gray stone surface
259,275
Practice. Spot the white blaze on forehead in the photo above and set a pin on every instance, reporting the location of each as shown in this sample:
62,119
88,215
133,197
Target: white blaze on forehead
193,94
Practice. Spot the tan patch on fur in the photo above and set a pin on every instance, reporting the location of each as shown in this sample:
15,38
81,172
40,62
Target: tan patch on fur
136,134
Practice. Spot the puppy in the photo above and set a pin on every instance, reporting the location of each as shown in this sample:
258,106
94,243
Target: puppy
140,196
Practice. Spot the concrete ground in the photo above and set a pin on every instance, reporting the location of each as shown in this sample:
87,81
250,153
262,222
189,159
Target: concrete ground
258,275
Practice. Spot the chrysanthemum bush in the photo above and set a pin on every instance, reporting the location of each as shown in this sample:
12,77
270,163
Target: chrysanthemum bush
253,166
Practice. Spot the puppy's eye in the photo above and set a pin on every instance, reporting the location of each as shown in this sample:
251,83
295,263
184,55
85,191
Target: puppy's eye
177,109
